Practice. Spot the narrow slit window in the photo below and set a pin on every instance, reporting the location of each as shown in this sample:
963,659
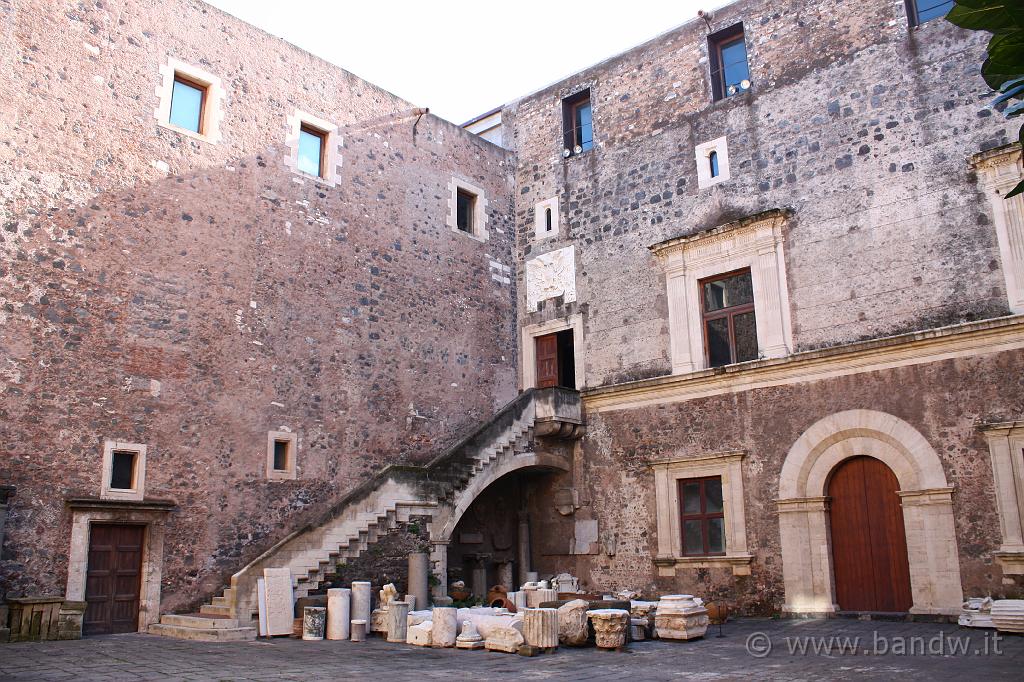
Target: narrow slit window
312,144
281,448
465,206
713,163
188,101
547,219
122,470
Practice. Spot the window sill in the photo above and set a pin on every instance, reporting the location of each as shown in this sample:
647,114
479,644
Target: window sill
186,132
576,156
739,563
471,235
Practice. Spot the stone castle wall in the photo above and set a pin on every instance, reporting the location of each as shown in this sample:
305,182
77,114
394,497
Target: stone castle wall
859,125
616,483
195,309
862,129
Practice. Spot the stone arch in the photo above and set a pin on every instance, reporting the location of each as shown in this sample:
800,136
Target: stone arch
925,496
868,432
446,518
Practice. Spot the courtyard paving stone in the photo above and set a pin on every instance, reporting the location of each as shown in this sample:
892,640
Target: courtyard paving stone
146,657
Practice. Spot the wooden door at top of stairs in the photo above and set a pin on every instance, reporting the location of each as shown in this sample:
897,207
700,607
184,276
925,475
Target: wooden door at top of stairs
869,543
547,360
113,579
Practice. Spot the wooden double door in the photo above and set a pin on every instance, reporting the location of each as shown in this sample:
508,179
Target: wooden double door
869,543
113,579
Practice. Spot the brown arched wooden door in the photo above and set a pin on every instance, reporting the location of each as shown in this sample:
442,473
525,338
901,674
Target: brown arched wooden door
869,543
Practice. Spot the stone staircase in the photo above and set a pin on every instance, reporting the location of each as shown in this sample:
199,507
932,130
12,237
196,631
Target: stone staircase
440,490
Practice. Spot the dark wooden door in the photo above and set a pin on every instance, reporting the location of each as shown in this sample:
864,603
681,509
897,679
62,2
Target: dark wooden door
547,360
113,579
869,544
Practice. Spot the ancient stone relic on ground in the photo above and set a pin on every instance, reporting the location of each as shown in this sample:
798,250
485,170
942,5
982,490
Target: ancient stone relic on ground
679,616
739,287
468,637
573,628
609,627
505,639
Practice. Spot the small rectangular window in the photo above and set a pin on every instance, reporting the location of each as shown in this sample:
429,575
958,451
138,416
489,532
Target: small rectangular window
188,100
466,204
730,73
727,309
702,516
281,455
920,11
311,150
122,470
577,123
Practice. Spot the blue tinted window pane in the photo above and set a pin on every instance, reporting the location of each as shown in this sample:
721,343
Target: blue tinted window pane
584,126
309,152
713,159
186,106
734,64
930,9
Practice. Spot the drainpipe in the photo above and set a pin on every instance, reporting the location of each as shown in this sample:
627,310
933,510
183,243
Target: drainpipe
420,113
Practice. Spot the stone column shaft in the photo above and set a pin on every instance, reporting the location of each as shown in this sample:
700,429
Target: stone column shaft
339,614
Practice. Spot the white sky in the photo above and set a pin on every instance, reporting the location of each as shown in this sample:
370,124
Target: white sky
463,58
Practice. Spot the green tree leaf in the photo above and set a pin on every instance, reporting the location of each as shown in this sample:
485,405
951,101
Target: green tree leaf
987,15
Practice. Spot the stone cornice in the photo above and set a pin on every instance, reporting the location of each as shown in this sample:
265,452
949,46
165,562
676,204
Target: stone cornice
773,218
972,338
95,503
727,456
1001,428
999,168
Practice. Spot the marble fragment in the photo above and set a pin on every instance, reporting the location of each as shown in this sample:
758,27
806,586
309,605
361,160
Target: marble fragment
572,623
313,622
469,638
280,600
505,639
445,626
421,634
339,616
609,627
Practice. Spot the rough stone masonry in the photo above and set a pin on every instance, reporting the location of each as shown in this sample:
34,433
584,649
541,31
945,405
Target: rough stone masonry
194,293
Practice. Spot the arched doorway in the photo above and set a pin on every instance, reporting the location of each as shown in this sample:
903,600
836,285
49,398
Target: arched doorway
869,543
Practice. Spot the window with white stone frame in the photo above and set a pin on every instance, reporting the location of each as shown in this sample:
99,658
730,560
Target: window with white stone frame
712,162
467,209
282,456
190,101
545,219
999,171
753,245
314,147
700,513
1006,447
124,471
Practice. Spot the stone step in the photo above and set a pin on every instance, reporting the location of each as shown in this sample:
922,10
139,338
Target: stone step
214,610
204,634
220,601
191,620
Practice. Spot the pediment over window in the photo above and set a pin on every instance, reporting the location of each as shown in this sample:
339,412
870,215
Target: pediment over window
751,249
